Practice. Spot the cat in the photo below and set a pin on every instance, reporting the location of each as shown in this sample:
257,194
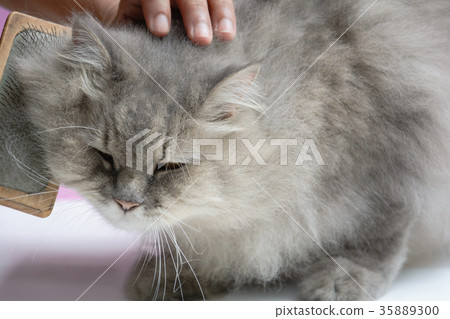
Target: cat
308,149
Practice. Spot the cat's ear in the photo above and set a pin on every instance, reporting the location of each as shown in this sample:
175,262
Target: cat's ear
234,103
87,58
87,50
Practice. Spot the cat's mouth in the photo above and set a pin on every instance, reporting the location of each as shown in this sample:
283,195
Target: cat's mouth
138,218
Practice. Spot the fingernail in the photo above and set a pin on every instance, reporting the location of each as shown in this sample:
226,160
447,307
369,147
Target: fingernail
160,24
225,26
202,30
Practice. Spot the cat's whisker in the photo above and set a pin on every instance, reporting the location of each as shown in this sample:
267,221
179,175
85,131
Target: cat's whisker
189,241
93,211
24,168
189,265
164,265
159,262
179,259
171,256
67,222
177,220
179,264
43,181
148,251
145,251
155,256
175,264
155,269
174,290
31,173
149,248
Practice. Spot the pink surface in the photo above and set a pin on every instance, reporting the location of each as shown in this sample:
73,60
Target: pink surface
3,15
64,193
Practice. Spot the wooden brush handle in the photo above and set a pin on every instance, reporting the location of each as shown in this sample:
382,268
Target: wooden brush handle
38,205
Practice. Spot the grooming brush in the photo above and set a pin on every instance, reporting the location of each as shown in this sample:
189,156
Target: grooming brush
25,183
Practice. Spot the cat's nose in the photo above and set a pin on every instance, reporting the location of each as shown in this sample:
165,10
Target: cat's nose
126,206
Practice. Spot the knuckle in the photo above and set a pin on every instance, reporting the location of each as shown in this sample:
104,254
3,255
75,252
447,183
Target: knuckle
195,5
222,8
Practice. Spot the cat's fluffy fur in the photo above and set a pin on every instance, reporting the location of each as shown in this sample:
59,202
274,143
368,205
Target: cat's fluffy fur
376,105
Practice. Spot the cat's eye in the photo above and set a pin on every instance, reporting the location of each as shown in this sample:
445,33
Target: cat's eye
106,157
168,166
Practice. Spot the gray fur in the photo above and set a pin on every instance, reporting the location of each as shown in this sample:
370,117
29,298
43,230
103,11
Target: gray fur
376,104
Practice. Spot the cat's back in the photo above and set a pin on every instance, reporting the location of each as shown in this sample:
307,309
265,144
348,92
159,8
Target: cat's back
353,59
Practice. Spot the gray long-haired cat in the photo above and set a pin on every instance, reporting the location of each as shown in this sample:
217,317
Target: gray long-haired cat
310,148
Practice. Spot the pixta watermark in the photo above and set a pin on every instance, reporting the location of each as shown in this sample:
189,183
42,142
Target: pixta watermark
141,149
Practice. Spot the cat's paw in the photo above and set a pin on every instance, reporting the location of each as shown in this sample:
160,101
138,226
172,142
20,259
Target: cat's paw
168,290
340,280
147,282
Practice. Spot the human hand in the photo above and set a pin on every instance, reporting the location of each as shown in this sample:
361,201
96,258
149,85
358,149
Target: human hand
201,18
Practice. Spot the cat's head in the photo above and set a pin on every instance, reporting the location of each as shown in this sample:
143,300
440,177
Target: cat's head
118,112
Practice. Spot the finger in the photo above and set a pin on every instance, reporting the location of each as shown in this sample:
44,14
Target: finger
131,10
196,20
223,18
157,16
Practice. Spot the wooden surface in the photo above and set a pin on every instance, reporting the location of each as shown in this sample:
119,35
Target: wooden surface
41,204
